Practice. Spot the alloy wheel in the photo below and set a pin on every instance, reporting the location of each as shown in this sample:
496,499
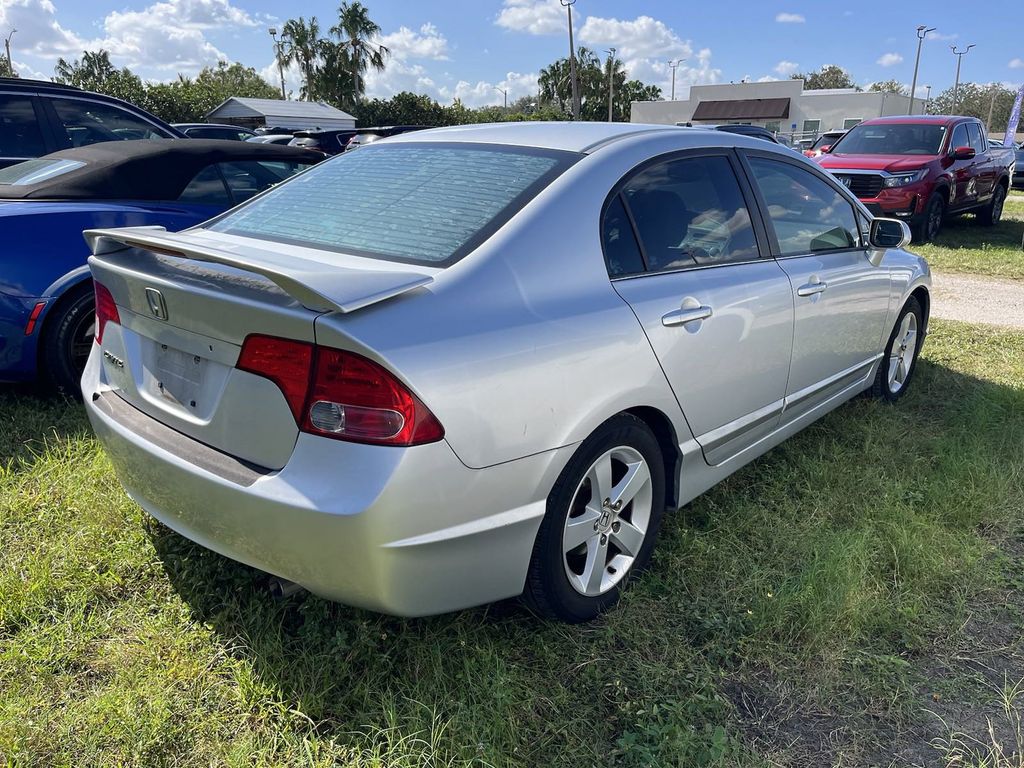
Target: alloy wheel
608,521
901,354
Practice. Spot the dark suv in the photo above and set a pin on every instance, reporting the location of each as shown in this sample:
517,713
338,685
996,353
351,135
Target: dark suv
37,118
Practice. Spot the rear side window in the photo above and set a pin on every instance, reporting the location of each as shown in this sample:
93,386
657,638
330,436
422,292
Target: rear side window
206,188
807,214
691,212
20,135
88,122
35,171
419,203
621,251
247,178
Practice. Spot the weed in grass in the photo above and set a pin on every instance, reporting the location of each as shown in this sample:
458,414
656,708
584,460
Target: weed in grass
1000,746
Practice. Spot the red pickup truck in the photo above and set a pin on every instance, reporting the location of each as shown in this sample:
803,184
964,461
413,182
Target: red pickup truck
922,169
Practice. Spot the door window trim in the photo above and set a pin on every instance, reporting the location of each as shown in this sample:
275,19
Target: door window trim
857,206
729,153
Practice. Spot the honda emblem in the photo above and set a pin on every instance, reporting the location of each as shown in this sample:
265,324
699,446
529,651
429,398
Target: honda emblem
156,303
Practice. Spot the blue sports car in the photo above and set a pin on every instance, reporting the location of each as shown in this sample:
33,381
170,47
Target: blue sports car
46,297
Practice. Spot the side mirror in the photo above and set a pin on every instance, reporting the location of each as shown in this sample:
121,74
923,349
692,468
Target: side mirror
886,234
964,153
825,149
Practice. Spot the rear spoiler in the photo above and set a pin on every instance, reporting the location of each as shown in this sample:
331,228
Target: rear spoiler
317,286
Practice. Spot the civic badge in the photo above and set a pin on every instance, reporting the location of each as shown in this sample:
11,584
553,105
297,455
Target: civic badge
157,306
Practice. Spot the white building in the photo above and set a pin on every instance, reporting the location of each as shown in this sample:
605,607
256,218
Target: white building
278,113
781,106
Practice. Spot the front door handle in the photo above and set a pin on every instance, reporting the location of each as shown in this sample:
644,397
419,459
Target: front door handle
686,315
809,289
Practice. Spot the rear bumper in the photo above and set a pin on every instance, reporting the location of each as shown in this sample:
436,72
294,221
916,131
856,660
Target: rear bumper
18,350
410,531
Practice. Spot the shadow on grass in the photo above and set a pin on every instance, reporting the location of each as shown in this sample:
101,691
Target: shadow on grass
964,232
834,560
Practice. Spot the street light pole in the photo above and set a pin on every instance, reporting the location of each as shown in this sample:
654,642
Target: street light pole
922,33
568,4
611,82
278,54
674,64
927,98
7,45
504,92
959,58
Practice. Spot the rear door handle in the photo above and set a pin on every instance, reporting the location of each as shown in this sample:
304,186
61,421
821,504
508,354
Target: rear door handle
686,315
809,289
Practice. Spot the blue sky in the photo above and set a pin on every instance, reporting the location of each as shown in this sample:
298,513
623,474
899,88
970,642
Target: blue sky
468,50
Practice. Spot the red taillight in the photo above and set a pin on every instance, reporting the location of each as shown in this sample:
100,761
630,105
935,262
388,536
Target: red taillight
339,394
106,310
285,362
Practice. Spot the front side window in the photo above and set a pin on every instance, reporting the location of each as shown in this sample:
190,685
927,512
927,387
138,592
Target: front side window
960,137
691,212
974,136
807,214
88,122
20,134
425,203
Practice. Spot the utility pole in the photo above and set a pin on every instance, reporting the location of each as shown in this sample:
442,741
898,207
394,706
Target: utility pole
991,106
611,82
504,92
959,58
7,45
279,55
922,33
568,4
674,64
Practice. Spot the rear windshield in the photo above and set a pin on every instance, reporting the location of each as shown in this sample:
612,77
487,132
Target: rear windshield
419,203
891,139
34,171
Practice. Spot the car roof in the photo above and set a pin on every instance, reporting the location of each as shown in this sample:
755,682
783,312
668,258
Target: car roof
916,119
567,136
147,169
213,125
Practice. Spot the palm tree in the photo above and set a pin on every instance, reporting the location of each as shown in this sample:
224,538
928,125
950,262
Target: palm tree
305,50
356,31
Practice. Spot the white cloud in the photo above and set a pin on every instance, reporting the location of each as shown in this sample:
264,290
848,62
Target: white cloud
1017,64
38,34
889,59
428,43
790,18
787,68
942,37
538,17
483,93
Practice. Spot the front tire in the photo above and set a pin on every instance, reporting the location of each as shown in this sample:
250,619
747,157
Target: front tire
68,340
900,360
931,224
602,519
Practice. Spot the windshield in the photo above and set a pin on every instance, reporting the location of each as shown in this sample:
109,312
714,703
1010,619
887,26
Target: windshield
827,140
419,203
891,139
34,171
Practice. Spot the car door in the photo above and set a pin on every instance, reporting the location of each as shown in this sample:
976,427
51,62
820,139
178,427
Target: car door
684,252
964,191
984,167
841,300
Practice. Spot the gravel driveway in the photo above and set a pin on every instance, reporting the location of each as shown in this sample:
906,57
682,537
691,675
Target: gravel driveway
978,299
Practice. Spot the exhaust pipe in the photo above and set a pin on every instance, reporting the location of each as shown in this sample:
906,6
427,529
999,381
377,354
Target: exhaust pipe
282,589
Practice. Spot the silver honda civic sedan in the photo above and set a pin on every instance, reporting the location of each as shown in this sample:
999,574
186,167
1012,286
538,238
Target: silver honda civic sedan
472,363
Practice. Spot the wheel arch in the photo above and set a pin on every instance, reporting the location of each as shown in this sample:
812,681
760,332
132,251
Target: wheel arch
69,292
924,298
660,424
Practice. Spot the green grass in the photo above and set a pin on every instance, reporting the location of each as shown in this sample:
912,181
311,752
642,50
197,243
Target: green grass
964,246
825,573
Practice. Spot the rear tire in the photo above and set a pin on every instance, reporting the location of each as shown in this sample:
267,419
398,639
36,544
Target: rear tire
991,214
900,356
68,340
589,545
931,225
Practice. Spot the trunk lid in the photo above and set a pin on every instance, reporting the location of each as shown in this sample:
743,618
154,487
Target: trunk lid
186,304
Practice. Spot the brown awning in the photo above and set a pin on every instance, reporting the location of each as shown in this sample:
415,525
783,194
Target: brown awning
743,109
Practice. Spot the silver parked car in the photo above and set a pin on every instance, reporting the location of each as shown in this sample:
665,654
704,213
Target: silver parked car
477,362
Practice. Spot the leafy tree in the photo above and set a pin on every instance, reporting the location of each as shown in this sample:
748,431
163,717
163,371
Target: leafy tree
6,68
95,72
889,86
978,100
594,78
355,31
829,76
403,109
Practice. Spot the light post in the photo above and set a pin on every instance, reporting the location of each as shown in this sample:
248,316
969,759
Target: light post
279,55
673,65
611,82
7,45
927,98
959,58
504,92
568,4
922,33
